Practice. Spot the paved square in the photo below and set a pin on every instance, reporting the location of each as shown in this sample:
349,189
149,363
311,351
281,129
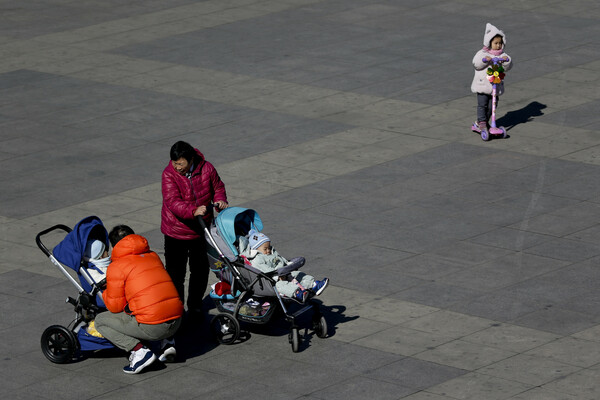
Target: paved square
460,269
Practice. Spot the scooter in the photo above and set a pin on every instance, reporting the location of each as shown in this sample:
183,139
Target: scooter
495,76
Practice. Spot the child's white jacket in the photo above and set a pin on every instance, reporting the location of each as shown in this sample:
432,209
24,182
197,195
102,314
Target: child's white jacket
481,84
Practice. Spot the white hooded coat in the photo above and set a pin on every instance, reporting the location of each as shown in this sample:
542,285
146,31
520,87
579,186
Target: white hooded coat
481,84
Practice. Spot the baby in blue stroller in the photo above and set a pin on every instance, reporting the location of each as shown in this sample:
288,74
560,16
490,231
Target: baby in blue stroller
85,251
245,293
257,250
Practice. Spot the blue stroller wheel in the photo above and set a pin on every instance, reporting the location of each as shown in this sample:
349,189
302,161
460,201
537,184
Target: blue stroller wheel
58,344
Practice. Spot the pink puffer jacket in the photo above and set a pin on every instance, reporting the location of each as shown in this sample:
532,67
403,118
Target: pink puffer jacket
182,195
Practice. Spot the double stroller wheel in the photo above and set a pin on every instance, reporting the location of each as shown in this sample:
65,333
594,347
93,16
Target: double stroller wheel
225,328
58,344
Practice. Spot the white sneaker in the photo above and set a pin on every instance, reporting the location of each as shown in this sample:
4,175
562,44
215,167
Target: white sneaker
168,351
138,360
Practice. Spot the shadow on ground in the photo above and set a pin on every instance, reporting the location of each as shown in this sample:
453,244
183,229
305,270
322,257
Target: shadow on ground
278,326
522,116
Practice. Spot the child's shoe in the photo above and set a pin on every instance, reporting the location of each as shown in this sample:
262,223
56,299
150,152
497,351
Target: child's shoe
482,125
301,295
138,360
319,286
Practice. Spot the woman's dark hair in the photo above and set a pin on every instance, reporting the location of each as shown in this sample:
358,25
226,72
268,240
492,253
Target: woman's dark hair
182,149
119,232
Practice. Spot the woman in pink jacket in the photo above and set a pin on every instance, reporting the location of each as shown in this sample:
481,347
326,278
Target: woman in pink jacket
189,185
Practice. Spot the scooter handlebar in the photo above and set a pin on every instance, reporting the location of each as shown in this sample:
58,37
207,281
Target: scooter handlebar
494,60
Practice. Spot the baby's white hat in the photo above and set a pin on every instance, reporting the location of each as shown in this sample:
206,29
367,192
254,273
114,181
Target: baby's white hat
256,239
93,250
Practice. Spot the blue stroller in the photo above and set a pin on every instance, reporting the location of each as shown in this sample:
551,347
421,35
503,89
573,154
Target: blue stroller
245,293
60,344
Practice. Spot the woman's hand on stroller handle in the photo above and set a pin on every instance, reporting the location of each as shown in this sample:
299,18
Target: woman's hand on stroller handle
220,205
199,211
217,205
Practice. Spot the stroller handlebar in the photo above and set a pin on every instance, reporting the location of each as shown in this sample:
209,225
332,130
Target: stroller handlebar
209,209
38,237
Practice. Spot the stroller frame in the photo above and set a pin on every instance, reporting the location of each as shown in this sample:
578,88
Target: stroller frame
60,344
226,324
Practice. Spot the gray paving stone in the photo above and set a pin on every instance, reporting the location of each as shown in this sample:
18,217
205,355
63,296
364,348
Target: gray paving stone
539,394
511,239
414,373
497,306
557,320
510,337
361,386
581,187
569,250
416,240
429,267
504,271
568,350
437,294
476,386
403,341
582,385
77,387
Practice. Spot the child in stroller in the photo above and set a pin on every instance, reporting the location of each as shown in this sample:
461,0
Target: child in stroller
257,250
82,250
96,260
241,286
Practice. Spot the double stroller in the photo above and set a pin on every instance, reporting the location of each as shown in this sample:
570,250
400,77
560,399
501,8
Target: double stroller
61,344
243,293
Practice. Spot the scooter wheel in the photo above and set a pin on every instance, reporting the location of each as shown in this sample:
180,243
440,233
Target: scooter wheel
485,135
504,134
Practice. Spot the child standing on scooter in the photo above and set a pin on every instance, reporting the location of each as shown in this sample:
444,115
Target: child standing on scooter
494,41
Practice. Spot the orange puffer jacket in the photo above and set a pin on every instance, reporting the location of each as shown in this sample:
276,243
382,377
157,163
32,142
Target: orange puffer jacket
137,283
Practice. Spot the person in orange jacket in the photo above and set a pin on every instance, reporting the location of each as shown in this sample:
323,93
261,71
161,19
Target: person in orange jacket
142,301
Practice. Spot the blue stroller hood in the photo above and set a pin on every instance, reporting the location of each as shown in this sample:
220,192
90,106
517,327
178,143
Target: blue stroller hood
234,222
70,250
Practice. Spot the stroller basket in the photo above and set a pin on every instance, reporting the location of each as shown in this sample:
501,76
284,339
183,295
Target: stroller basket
226,297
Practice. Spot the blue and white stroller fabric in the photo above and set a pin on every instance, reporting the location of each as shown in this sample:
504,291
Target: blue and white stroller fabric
230,224
76,251
79,248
